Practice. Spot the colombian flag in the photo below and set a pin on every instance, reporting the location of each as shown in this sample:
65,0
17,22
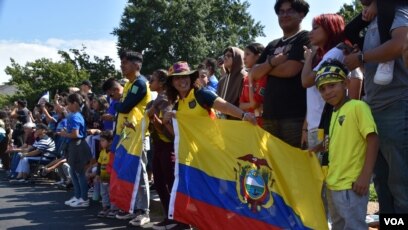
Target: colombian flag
233,175
126,169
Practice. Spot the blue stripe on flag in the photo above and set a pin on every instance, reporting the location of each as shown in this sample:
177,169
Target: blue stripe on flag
125,164
223,194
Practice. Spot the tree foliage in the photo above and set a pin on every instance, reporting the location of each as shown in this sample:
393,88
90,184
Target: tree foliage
97,70
166,31
41,75
349,11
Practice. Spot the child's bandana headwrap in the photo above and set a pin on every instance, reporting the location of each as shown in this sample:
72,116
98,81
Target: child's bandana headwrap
329,74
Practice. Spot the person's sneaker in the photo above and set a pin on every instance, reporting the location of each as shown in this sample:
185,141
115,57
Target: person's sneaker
22,180
65,186
80,203
72,200
165,224
181,226
125,215
59,183
140,220
112,214
103,213
43,171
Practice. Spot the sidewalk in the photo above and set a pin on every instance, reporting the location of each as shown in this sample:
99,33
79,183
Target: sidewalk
40,205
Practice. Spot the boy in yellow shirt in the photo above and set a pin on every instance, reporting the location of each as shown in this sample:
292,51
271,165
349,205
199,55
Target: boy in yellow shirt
352,144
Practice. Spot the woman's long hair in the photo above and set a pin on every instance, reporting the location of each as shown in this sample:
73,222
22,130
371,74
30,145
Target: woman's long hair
173,94
333,25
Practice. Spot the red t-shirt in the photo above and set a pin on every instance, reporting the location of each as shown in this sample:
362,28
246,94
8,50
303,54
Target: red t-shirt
259,90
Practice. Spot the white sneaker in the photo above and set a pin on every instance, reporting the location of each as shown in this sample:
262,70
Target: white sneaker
72,200
140,220
80,203
385,72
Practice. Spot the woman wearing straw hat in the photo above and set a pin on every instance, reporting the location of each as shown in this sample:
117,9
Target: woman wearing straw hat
189,98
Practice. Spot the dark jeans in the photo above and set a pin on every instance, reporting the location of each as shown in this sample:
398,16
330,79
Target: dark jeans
288,130
391,174
163,170
5,157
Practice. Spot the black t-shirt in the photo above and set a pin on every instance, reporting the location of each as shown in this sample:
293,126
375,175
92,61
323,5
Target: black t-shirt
23,115
285,97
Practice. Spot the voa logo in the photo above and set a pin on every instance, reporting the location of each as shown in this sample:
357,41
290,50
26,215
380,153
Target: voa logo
394,221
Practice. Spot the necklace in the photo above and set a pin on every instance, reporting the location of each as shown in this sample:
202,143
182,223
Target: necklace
290,37
337,116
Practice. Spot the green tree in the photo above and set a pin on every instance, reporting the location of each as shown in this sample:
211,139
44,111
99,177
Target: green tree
166,31
41,75
349,11
98,70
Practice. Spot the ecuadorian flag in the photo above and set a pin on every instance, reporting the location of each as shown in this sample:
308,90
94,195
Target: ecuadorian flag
233,175
128,147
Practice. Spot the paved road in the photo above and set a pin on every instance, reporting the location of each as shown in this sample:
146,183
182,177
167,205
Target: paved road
39,205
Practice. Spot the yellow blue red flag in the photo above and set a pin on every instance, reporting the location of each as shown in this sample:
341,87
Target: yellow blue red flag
233,175
126,169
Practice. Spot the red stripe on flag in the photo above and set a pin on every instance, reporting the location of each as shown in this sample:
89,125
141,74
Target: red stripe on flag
205,216
120,192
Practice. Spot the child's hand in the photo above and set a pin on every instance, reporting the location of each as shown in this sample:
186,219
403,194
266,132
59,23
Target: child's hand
63,132
361,185
250,117
309,53
168,116
317,148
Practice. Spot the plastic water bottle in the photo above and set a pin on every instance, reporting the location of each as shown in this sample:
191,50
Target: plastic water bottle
384,74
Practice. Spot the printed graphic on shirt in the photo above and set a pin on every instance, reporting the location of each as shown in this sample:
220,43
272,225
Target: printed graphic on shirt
192,104
134,89
283,49
341,119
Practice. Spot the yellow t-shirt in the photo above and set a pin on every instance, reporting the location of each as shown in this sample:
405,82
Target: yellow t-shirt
103,160
349,127
190,106
137,113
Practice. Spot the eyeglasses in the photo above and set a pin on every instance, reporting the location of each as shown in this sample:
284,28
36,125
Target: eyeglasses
288,12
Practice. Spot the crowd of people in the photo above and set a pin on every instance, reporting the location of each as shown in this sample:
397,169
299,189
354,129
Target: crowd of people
340,95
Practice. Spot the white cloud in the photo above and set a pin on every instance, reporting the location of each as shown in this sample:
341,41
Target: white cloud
23,52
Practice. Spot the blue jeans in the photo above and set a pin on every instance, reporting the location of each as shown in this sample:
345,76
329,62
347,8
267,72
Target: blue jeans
391,172
79,183
104,188
288,130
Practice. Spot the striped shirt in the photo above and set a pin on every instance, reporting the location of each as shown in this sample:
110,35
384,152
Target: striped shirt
45,144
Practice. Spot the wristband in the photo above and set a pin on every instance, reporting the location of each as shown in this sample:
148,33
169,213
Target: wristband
361,57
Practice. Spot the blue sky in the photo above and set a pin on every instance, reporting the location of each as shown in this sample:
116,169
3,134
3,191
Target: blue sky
32,29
